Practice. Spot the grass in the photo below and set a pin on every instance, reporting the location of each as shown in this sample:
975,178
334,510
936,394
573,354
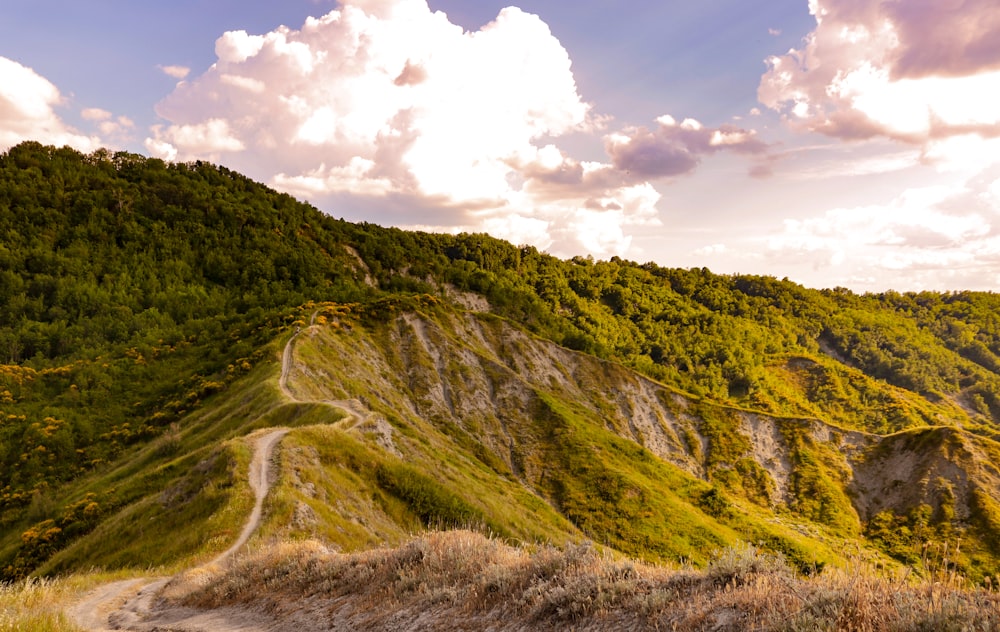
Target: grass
513,432
355,496
34,605
195,476
153,531
538,463
463,580
551,466
135,485
39,605
570,475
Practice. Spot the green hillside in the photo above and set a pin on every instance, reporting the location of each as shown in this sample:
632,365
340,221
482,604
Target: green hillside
454,381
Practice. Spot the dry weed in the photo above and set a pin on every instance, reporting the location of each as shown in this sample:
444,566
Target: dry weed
466,581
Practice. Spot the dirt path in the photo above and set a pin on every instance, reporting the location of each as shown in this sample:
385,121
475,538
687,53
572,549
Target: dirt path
94,611
356,410
133,604
260,466
286,365
357,414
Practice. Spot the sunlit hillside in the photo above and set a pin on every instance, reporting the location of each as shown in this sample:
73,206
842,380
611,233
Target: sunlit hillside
155,314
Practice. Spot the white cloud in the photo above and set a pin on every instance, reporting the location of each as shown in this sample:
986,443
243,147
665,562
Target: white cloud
388,100
519,229
95,114
238,46
845,162
599,232
27,110
249,84
913,71
108,124
711,249
964,154
210,139
934,237
177,72
921,73
674,149
352,178
991,194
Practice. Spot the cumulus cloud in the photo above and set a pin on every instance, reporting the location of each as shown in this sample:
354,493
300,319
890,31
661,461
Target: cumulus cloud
924,73
441,105
915,71
110,126
953,38
926,237
566,225
391,103
210,138
95,114
27,110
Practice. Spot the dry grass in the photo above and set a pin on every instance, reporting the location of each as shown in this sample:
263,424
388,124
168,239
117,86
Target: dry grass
41,604
35,605
460,580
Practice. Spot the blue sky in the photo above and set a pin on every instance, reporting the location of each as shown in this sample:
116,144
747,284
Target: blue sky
638,59
834,143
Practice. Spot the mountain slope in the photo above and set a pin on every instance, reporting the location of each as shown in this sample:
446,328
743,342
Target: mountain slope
553,419
453,381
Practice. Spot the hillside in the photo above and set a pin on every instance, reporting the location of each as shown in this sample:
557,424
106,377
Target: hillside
442,381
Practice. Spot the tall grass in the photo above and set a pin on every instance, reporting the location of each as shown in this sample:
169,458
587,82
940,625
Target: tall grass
35,605
466,581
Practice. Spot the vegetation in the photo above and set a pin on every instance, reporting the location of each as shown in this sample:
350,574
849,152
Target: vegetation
143,306
463,580
34,605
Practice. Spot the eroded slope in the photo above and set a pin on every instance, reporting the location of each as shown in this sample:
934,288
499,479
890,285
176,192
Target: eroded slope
628,461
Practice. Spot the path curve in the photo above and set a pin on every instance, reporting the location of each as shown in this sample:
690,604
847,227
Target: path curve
356,412
129,604
94,610
354,408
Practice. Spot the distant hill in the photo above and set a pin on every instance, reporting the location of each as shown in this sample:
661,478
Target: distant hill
443,381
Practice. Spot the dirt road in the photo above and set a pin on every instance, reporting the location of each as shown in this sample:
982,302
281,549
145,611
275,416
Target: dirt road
132,604
286,366
263,451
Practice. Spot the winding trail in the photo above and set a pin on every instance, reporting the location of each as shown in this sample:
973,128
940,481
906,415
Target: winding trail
354,408
286,364
260,465
132,604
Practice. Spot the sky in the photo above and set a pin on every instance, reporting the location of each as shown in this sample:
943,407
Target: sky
850,143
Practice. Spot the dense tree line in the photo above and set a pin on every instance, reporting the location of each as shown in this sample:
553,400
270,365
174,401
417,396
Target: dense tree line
129,290
881,362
